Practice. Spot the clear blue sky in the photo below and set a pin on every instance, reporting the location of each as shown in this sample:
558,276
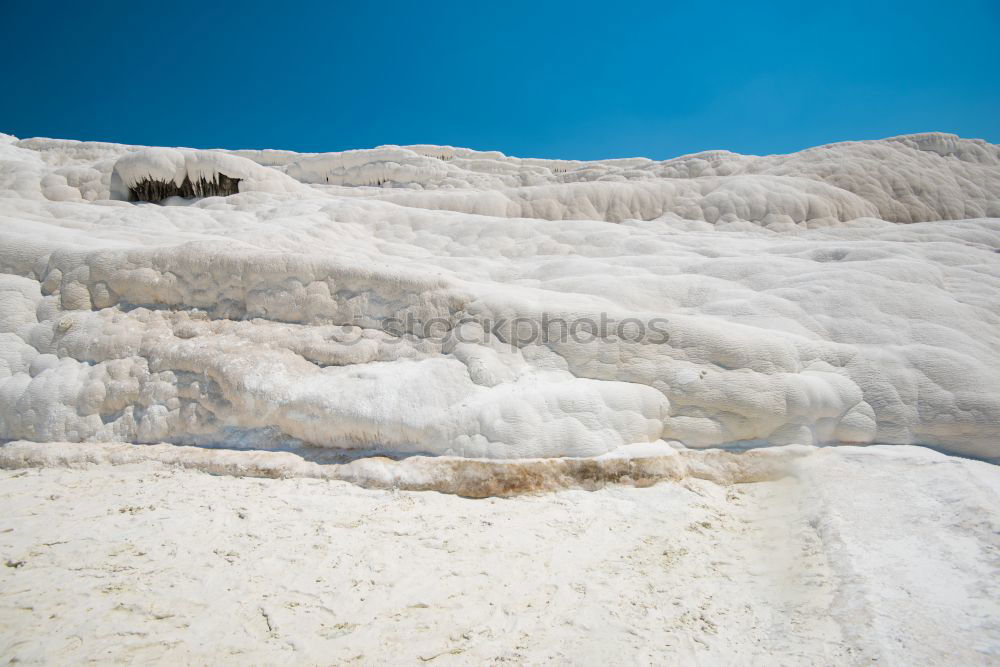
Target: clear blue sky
579,79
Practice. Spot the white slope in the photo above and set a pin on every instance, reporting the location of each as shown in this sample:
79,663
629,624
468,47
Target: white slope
845,294
878,555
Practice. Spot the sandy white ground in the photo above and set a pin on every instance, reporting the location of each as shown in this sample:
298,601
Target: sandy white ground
887,554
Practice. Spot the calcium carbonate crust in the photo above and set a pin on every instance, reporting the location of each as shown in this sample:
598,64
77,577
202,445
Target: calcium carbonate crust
848,293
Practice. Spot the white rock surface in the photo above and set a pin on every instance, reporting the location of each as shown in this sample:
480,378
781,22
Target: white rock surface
347,305
878,555
845,294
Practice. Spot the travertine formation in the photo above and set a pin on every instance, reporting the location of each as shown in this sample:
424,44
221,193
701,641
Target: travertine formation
449,301
873,555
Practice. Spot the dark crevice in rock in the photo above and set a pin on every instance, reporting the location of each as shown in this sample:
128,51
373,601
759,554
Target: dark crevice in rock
156,191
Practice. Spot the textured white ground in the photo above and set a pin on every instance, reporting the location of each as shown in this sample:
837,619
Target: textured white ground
881,555
345,305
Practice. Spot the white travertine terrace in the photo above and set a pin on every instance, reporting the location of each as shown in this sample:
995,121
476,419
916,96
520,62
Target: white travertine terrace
847,293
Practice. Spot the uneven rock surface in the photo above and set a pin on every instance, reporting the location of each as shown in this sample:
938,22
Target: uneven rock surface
441,300
430,404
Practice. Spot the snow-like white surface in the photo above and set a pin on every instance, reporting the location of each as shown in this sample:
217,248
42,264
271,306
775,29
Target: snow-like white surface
346,305
845,294
878,555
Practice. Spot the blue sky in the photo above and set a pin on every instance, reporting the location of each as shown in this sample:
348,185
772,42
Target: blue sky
551,79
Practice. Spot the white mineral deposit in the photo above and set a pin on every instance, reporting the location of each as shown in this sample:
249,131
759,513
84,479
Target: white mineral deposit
425,403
